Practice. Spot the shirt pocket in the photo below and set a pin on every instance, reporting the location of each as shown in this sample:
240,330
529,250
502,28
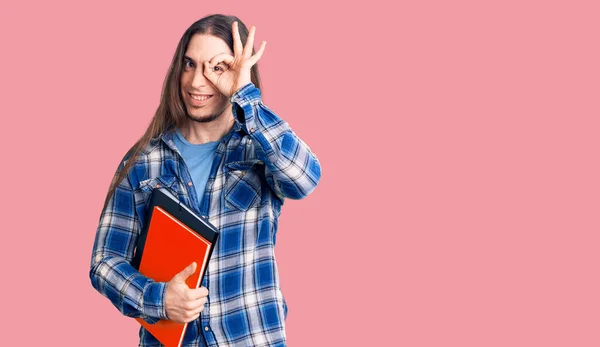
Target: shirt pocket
243,185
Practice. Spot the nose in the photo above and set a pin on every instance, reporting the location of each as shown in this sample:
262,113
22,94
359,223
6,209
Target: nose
199,80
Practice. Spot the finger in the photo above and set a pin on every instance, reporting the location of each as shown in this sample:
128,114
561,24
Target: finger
195,304
221,58
249,43
209,73
198,293
185,273
237,42
192,318
258,54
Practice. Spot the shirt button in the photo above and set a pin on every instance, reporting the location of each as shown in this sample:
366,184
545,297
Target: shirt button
204,217
252,130
206,329
190,183
157,185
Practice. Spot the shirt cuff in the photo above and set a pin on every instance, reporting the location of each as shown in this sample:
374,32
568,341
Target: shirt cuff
242,101
246,94
256,119
154,302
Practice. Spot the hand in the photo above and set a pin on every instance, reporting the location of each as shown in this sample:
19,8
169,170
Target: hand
182,303
228,73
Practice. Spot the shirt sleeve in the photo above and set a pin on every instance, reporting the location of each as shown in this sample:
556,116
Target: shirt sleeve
111,272
292,170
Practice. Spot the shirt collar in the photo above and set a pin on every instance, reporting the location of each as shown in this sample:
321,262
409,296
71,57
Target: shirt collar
167,136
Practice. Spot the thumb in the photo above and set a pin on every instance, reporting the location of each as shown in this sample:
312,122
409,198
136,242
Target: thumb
185,273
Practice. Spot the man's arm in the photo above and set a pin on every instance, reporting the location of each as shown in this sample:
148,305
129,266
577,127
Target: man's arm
292,170
111,273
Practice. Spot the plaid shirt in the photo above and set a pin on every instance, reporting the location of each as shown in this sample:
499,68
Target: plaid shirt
257,164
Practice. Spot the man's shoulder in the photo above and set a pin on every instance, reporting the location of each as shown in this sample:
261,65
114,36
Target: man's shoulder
153,148
151,156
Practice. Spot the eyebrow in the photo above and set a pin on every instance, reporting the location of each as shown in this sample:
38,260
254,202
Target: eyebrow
185,57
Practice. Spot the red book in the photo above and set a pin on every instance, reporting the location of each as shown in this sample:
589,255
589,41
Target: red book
173,238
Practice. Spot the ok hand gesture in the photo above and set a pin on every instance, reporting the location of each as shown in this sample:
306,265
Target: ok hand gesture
230,73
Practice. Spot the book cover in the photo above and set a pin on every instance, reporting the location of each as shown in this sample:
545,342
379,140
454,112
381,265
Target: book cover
169,247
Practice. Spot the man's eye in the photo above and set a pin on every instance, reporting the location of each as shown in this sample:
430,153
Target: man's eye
219,69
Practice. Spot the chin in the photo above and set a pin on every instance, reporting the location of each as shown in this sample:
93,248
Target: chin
202,118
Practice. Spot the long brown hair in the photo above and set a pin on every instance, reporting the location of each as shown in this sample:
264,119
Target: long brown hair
171,110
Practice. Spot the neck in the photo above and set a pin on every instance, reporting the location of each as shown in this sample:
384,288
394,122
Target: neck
199,133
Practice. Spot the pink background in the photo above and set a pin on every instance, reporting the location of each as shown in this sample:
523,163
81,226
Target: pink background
459,143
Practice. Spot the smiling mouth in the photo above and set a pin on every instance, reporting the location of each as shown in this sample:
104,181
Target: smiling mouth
200,97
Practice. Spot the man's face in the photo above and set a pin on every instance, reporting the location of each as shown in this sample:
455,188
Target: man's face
203,101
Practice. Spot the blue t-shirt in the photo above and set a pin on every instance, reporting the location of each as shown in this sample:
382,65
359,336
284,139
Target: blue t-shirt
198,159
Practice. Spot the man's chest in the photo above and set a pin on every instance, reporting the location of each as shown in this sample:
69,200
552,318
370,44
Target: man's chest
235,186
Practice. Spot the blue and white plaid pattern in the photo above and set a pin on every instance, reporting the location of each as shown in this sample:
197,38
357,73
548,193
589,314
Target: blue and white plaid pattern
258,164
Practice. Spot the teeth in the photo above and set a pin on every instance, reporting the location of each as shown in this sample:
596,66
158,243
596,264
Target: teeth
200,97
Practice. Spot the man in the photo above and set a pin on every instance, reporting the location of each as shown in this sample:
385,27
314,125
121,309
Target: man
227,156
